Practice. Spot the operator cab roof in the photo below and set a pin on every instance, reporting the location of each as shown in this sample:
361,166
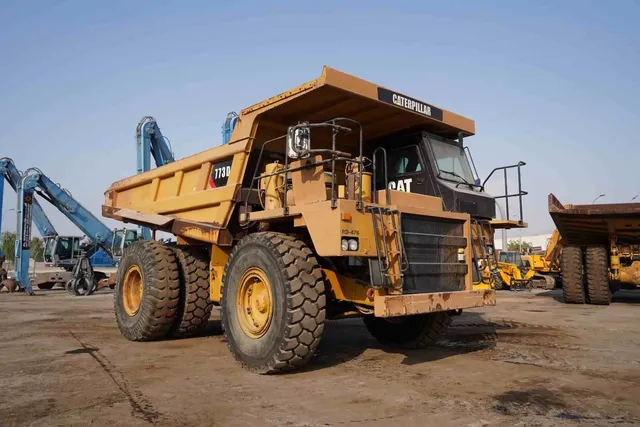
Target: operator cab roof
379,110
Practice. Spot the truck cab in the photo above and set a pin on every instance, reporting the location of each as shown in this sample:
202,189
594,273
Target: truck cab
424,163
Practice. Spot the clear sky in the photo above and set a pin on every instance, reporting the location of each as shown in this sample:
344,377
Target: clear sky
553,83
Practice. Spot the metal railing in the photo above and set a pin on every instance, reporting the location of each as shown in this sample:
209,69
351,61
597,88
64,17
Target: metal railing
506,194
335,157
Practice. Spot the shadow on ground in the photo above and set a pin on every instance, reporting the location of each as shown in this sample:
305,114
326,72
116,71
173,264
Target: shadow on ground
346,340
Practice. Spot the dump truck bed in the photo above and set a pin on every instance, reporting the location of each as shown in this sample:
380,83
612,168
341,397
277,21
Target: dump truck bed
595,224
188,189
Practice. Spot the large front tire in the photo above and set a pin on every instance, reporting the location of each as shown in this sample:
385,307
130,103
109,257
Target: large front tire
572,275
273,303
418,331
147,291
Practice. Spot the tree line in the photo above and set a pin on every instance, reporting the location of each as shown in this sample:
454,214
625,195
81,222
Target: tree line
8,244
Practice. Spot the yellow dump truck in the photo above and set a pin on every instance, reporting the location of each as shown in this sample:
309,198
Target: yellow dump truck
294,221
600,249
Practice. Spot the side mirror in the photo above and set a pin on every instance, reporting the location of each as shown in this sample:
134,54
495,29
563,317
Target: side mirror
298,142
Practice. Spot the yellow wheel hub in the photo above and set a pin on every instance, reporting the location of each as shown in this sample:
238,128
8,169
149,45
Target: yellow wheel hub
254,304
132,290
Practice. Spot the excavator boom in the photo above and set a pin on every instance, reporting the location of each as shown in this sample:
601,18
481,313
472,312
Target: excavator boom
151,143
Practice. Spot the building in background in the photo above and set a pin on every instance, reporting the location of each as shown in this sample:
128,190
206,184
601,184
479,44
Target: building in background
537,241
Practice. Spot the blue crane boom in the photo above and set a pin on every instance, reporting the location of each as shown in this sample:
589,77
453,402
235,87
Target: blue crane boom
228,125
10,172
81,217
151,143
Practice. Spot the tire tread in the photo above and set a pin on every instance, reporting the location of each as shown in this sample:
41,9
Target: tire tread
598,291
306,301
572,275
195,305
160,296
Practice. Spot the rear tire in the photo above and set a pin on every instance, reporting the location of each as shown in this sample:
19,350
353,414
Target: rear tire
194,307
282,330
598,291
147,291
417,331
572,275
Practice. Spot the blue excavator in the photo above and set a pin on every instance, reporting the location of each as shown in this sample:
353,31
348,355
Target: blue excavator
59,251
150,144
35,180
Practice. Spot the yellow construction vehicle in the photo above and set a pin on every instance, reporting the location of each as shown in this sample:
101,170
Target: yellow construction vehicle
547,265
295,220
511,272
515,273
600,249
491,272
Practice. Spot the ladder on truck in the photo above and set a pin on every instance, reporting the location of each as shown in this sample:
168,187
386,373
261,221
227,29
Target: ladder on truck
391,261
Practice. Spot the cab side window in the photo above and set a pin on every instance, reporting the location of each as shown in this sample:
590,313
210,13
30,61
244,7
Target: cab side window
404,170
403,161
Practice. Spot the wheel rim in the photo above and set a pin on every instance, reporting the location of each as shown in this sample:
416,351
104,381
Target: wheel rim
254,303
132,290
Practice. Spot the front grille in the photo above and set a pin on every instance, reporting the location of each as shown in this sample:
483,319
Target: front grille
431,251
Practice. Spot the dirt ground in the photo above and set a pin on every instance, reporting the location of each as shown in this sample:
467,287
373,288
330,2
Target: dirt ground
530,361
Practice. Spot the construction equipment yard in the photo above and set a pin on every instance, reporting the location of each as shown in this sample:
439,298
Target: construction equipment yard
368,214
529,361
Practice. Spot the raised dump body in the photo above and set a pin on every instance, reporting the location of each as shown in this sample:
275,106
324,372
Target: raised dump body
293,222
601,249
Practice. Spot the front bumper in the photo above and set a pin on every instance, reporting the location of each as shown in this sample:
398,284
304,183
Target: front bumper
406,305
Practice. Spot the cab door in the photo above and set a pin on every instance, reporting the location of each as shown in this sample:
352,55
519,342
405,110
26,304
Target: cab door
406,170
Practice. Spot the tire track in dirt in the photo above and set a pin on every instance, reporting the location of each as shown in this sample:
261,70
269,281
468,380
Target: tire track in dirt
140,407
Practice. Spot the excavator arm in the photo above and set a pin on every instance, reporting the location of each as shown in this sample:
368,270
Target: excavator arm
554,247
151,143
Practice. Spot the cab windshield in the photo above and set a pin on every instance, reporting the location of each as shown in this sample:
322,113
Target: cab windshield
451,161
511,258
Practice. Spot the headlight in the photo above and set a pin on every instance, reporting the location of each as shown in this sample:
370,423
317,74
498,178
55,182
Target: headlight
349,244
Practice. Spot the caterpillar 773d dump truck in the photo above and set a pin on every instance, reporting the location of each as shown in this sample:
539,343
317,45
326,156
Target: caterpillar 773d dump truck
294,221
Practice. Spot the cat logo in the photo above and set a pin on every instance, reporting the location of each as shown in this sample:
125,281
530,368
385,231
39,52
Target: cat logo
401,185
